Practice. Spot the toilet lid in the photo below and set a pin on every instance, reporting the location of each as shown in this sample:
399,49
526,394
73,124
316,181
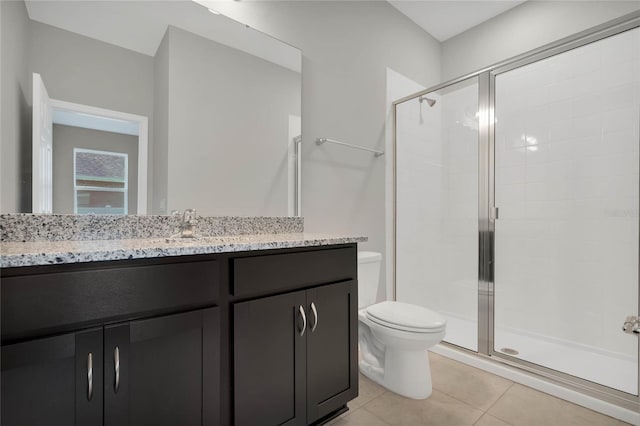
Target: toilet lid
404,316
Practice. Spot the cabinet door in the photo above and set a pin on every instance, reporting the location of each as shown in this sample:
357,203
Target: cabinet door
332,348
269,353
163,371
53,381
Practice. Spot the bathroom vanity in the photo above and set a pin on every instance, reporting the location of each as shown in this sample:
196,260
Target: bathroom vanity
238,334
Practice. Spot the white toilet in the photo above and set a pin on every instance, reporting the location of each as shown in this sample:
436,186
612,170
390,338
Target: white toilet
394,336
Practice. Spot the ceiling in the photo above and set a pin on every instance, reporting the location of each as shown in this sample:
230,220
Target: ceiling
445,19
141,25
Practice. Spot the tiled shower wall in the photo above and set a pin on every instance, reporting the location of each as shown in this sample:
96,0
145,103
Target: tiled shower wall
567,189
419,207
459,227
437,206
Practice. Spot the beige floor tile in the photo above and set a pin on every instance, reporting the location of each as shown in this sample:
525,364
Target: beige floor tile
366,392
522,406
338,419
434,357
468,384
489,420
359,417
438,409
334,421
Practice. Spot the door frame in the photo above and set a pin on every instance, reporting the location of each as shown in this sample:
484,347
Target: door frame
90,117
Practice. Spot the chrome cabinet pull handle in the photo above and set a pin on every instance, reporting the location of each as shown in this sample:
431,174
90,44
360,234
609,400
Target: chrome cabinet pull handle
116,363
89,376
315,317
304,320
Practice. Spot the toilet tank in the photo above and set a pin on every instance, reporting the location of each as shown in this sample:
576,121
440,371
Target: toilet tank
368,277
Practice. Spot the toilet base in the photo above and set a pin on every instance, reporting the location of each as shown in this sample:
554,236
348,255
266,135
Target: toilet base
406,373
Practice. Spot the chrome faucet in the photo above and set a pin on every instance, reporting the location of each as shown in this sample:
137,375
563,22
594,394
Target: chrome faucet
187,226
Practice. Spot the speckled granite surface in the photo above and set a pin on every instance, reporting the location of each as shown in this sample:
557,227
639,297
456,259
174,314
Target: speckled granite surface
59,227
32,253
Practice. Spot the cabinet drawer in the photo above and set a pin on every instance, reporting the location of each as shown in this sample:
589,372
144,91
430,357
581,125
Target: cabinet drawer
52,302
282,272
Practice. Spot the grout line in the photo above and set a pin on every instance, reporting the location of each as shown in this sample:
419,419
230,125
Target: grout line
465,402
497,400
459,400
500,397
487,414
483,414
373,414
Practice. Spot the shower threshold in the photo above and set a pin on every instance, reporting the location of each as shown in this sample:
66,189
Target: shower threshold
608,369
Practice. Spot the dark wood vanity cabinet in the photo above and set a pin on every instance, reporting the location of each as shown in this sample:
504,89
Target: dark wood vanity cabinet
292,348
332,348
168,370
295,354
44,381
111,343
148,372
269,361
161,342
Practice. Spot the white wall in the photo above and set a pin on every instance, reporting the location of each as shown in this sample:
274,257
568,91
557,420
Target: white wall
523,28
15,154
346,47
1,97
160,125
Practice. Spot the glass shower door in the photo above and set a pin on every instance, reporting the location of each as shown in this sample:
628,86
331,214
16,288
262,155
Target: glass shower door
566,186
437,207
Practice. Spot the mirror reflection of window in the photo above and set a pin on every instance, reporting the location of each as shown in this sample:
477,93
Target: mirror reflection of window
100,182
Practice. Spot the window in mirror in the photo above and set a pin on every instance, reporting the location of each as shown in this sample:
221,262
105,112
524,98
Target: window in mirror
100,182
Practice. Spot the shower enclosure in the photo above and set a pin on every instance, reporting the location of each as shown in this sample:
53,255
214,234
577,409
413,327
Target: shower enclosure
516,215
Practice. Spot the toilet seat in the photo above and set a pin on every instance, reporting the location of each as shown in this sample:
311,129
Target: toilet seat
406,317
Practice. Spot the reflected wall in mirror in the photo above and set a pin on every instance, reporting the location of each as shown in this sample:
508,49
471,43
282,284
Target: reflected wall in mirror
222,102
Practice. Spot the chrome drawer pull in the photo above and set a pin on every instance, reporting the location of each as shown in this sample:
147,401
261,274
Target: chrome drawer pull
304,320
116,362
89,376
315,317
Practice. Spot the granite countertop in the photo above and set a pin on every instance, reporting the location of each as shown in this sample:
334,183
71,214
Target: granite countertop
32,253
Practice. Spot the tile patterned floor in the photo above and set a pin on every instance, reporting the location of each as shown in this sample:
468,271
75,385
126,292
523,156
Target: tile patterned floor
463,395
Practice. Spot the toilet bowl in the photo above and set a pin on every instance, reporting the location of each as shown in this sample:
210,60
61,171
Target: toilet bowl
393,336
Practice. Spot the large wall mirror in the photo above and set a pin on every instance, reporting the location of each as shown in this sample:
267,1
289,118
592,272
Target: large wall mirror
144,107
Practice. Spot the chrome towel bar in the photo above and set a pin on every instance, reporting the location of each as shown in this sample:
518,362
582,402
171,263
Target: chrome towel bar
376,153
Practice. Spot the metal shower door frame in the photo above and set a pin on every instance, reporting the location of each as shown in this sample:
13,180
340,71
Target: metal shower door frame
487,211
